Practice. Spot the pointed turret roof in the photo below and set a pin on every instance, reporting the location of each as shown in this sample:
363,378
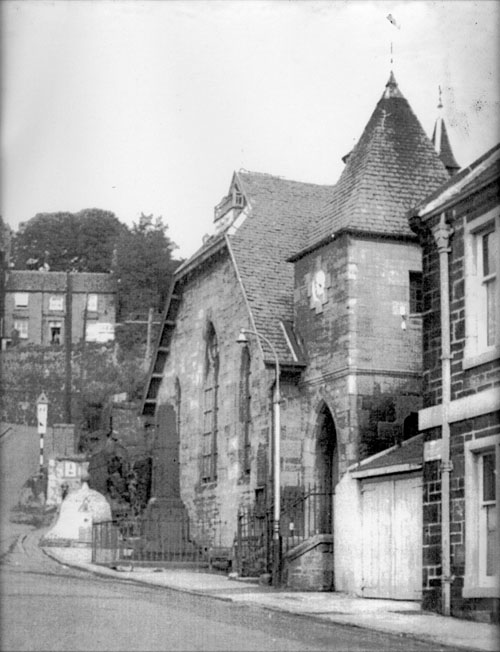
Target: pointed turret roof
442,146
392,167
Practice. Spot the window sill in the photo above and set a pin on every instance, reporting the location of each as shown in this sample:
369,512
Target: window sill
481,592
472,361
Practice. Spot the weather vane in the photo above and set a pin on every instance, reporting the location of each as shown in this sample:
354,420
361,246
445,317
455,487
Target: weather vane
393,21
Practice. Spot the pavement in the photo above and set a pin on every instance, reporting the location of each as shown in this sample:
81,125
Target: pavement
388,616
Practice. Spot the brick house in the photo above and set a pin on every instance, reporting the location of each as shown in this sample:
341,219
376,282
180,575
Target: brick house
459,228
330,279
39,305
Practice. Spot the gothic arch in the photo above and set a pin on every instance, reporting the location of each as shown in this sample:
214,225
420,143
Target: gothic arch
326,464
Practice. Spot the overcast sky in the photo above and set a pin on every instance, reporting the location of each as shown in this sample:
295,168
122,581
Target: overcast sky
135,106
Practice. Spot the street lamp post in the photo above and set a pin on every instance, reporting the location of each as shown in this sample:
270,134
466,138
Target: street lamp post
242,339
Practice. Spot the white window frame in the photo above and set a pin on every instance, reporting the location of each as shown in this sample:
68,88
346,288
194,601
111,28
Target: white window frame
476,583
92,302
477,351
21,299
22,327
56,303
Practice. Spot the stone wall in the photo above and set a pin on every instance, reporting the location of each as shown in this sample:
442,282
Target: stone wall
474,608
309,567
465,382
361,362
26,372
213,296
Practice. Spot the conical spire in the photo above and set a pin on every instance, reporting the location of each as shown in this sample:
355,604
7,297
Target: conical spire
441,141
391,88
390,169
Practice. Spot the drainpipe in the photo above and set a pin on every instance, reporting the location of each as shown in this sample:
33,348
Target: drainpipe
442,233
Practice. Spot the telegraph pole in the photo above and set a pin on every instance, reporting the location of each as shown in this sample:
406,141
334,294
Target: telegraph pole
68,327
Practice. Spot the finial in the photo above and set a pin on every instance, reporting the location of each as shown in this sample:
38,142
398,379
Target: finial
392,55
440,100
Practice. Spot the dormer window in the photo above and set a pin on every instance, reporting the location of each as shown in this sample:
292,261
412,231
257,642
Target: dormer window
230,206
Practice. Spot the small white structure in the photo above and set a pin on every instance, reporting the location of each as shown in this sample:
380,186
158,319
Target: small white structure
79,510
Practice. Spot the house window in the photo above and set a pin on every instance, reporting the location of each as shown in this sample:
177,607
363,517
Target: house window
55,328
21,326
21,299
245,413
92,302
416,301
487,514
56,302
210,408
481,509
482,304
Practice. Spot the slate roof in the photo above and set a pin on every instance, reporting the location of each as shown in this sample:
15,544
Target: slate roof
481,171
409,452
390,169
281,212
444,147
35,281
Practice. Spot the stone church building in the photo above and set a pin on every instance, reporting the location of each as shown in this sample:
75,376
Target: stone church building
330,278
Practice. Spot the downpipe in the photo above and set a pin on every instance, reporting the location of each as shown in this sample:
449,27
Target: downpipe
442,233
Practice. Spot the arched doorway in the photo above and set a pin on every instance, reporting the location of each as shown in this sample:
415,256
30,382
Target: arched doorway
326,468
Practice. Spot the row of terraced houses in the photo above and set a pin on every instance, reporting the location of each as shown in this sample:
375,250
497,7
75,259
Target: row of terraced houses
373,303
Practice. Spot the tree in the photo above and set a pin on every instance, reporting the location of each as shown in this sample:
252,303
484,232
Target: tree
63,241
143,267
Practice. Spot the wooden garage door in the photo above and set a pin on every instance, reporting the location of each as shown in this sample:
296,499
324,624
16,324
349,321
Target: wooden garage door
392,537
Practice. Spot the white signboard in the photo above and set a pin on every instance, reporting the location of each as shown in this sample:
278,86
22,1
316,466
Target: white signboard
41,411
100,332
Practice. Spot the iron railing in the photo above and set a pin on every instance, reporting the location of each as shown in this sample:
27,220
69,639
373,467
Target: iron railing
141,540
309,514
305,511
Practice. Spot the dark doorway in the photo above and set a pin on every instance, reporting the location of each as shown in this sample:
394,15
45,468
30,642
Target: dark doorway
326,468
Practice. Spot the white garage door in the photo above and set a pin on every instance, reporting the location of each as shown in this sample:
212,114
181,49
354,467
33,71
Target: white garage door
392,537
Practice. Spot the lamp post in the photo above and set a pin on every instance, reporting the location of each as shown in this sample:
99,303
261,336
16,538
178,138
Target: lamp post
242,339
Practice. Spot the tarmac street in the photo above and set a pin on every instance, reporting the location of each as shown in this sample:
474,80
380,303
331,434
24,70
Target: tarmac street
55,599
47,605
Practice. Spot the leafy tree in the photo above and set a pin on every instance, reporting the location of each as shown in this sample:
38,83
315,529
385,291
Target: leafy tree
82,241
143,267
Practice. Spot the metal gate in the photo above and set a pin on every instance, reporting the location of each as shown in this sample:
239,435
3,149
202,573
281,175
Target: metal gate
252,545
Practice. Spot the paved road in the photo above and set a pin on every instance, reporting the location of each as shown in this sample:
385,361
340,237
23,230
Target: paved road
46,606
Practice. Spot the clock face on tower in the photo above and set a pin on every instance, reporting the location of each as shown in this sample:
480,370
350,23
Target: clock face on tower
318,285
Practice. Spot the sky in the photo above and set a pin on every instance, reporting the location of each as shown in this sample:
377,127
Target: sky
149,106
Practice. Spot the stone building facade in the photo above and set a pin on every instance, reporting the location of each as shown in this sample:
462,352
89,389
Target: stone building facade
328,281
40,305
459,228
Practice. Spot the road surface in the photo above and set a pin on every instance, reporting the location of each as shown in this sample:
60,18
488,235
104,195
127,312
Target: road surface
47,606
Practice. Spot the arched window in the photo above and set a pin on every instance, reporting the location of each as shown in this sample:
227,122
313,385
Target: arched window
210,392
245,414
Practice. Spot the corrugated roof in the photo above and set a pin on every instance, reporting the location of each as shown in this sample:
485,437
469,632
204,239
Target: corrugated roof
391,168
35,281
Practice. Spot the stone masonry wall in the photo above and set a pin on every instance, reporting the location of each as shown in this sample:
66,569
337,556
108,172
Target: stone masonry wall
464,382
468,381
473,608
212,295
361,362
